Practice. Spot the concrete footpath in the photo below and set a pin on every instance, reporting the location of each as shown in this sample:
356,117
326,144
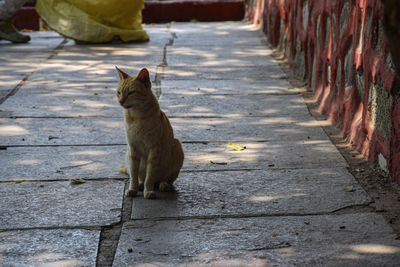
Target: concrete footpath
286,199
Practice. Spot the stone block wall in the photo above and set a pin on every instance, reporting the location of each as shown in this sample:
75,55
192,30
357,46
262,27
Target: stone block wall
340,50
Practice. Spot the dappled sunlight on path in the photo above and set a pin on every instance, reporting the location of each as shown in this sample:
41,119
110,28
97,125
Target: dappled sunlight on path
286,198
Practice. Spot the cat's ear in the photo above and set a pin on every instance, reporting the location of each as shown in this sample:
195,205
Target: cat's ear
122,75
144,77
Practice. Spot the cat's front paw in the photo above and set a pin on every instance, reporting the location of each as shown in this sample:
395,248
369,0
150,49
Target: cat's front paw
149,194
131,193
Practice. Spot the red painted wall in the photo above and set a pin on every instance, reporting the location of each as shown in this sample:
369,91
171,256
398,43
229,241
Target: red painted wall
186,10
339,49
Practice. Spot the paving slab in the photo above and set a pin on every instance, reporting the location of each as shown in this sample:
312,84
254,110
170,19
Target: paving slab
219,56
96,62
14,68
53,247
27,205
19,60
254,193
283,128
110,131
327,240
193,72
63,99
263,155
233,105
62,162
56,131
39,99
226,34
101,162
70,98
62,70
40,42
226,87
130,54
158,34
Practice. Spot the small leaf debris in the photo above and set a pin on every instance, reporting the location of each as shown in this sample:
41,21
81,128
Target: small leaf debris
122,169
53,137
75,180
219,162
236,146
349,189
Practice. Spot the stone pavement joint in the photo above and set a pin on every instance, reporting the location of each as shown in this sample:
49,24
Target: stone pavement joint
109,236
8,93
287,199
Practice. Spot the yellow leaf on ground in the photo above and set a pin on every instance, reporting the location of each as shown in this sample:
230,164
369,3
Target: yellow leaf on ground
75,180
236,146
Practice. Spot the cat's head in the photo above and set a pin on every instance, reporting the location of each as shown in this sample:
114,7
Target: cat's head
134,92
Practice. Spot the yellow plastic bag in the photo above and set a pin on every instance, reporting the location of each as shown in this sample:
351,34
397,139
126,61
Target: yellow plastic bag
95,21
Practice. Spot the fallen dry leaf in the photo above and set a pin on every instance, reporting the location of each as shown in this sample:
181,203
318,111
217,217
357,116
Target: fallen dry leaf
219,162
236,146
122,169
75,180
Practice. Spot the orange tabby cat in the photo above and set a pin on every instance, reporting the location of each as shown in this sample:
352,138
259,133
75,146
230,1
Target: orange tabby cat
154,156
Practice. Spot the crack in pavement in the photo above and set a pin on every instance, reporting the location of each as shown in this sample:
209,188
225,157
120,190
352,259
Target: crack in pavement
350,209
22,82
160,69
110,235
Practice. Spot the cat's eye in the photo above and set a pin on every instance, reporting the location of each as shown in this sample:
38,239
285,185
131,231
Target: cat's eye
131,92
118,92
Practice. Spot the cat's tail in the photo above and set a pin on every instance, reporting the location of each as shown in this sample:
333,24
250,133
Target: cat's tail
180,153
180,156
